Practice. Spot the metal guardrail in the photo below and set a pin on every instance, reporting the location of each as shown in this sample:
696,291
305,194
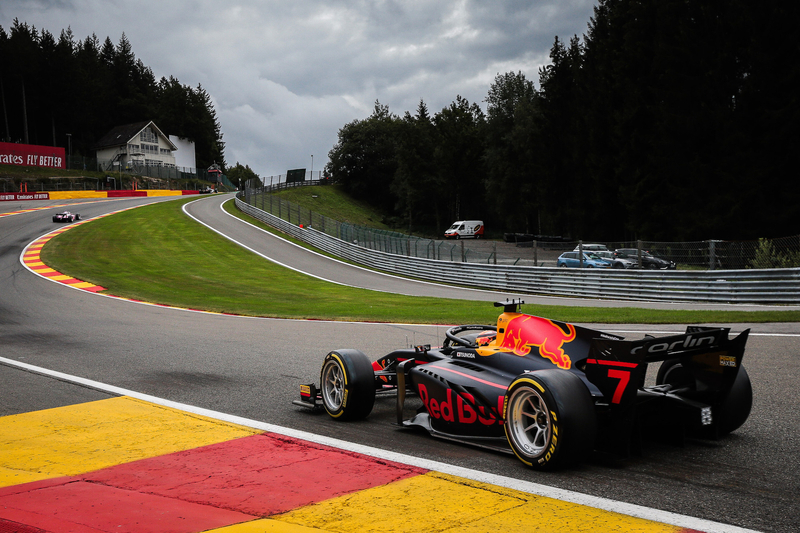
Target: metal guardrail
759,286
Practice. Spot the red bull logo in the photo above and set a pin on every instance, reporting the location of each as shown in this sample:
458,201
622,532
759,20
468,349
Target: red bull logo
524,332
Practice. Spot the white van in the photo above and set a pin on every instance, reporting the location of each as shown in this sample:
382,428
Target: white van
464,229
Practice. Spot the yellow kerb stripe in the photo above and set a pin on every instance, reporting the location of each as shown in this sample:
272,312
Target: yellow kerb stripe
439,502
90,436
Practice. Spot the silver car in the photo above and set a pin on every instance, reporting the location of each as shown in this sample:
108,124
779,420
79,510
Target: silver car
615,260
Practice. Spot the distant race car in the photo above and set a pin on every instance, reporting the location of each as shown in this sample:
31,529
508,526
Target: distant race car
66,216
548,391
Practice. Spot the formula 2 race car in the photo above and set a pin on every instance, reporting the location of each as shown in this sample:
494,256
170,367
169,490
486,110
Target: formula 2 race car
66,216
549,391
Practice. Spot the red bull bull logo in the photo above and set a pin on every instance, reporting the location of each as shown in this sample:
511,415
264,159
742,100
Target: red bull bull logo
523,332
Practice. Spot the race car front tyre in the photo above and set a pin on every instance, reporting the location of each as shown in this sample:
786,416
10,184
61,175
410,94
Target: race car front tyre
348,385
549,419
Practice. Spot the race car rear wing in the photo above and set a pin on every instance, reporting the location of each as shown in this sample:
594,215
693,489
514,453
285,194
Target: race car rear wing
618,367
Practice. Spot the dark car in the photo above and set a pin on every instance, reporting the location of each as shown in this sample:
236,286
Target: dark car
548,391
66,216
648,260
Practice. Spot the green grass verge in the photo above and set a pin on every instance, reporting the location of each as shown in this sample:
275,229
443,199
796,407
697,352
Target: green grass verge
157,254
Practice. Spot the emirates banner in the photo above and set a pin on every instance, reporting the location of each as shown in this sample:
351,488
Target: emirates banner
14,196
29,155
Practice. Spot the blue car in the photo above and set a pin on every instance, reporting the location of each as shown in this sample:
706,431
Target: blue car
572,260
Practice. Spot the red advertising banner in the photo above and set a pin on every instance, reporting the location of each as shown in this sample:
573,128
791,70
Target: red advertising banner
29,155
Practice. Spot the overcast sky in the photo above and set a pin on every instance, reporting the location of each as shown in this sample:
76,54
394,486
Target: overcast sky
285,75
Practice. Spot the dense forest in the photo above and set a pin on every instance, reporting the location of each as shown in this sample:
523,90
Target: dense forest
53,87
668,120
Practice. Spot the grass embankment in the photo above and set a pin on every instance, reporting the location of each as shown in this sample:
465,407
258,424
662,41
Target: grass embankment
330,201
157,254
40,173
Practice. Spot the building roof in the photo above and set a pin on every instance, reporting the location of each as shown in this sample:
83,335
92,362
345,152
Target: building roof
120,135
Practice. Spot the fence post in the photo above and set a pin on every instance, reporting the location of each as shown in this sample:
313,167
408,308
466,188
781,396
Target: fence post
463,257
639,252
494,252
710,244
580,253
535,253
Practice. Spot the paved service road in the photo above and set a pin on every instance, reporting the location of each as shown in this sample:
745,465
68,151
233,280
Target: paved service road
209,212
252,367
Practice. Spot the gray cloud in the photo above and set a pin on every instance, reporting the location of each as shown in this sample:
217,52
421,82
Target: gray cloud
285,76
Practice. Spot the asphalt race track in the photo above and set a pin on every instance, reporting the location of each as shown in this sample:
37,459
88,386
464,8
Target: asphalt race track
251,368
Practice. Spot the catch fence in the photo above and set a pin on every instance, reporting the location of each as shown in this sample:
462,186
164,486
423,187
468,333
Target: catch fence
522,250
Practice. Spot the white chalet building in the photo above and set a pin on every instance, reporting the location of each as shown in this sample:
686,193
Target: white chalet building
135,145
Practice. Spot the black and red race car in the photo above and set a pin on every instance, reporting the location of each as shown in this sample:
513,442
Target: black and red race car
66,216
551,392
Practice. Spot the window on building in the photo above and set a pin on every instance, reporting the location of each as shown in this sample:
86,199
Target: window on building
148,135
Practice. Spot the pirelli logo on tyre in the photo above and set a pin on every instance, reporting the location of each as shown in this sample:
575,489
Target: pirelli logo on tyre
553,441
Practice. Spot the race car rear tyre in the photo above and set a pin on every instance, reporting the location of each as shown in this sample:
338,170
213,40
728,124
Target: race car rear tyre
731,412
348,385
735,408
672,373
549,419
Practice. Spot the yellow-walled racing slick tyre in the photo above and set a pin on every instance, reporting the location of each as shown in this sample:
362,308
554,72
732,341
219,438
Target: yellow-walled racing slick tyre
348,385
549,418
731,412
